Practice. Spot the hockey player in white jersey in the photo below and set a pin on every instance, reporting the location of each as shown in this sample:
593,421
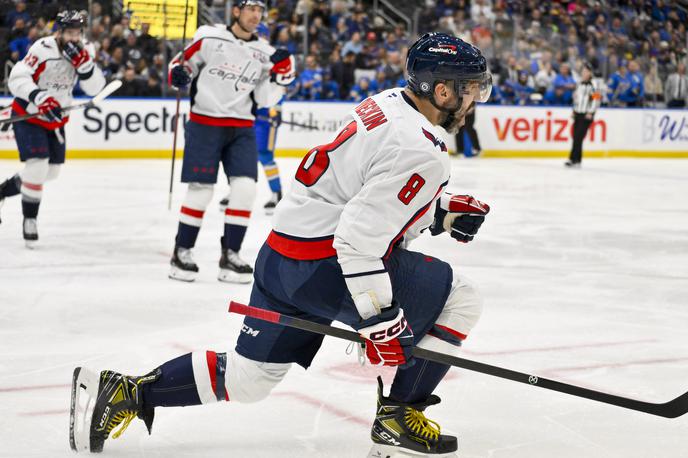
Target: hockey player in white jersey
338,251
231,73
43,83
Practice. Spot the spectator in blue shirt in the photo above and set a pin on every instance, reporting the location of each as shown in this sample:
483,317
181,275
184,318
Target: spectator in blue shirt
626,86
361,90
18,13
310,80
20,46
519,91
284,40
355,45
329,89
565,82
556,97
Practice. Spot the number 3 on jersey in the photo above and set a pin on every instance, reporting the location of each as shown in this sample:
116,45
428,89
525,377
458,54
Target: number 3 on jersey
411,188
316,162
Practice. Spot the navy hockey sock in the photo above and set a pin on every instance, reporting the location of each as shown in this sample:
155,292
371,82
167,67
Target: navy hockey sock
175,387
187,235
30,209
11,187
417,383
178,386
234,236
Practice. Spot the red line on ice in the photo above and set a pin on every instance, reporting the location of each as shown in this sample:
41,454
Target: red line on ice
37,413
11,389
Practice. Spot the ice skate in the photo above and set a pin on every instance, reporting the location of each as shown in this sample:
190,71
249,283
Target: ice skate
30,231
572,165
2,201
270,205
233,269
100,404
182,265
402,430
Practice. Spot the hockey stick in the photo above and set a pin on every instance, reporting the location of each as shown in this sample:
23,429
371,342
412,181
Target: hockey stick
672,409
95,100
176,111
289,123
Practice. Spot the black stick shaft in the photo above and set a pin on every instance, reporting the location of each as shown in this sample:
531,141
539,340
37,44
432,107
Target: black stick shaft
672,409
176,111
33,115
289,123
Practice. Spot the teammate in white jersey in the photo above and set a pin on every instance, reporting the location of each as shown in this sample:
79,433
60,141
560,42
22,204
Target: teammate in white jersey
338,252
43,83
231,73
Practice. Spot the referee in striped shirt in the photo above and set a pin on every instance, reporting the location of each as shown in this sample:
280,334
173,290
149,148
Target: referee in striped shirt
586,100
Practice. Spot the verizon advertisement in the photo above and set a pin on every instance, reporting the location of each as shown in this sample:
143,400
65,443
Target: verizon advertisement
143,128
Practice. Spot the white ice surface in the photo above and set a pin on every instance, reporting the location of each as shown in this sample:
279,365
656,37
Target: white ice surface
584,274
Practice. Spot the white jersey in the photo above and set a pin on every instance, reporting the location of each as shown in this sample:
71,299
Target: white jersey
230,76
372,188
45,68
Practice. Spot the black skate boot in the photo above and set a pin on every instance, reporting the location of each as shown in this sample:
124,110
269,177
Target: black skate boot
182,265
233,269
270,205
116,402
8,188
30,231
401,429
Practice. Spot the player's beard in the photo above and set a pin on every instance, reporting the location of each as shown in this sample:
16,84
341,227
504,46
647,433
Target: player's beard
455,117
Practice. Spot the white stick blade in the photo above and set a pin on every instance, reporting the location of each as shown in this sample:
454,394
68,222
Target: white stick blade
107,91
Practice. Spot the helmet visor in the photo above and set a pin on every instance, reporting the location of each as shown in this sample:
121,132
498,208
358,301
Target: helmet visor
479,87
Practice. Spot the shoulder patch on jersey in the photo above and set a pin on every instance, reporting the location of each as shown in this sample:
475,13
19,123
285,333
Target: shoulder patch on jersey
435,141
370,113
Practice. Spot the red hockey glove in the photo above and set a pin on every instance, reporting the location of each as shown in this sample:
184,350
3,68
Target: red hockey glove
388,338
461,216
282,71
47,106
79,57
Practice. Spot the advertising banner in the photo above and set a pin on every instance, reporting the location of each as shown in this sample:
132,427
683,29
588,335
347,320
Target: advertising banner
126,128
166,17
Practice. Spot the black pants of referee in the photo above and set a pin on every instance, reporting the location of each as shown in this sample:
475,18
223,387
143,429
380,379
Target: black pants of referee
581,124
472,134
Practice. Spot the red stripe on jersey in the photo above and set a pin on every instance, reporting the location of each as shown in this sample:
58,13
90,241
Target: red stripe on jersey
193,49
18,109
190,51
223,122
415,218
242,213
452,332
302,250
211,357
39,70
192,212
34,187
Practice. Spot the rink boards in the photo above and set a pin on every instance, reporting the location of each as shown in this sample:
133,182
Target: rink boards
143,128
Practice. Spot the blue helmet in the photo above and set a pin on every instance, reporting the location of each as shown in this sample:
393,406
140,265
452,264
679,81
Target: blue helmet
438,58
